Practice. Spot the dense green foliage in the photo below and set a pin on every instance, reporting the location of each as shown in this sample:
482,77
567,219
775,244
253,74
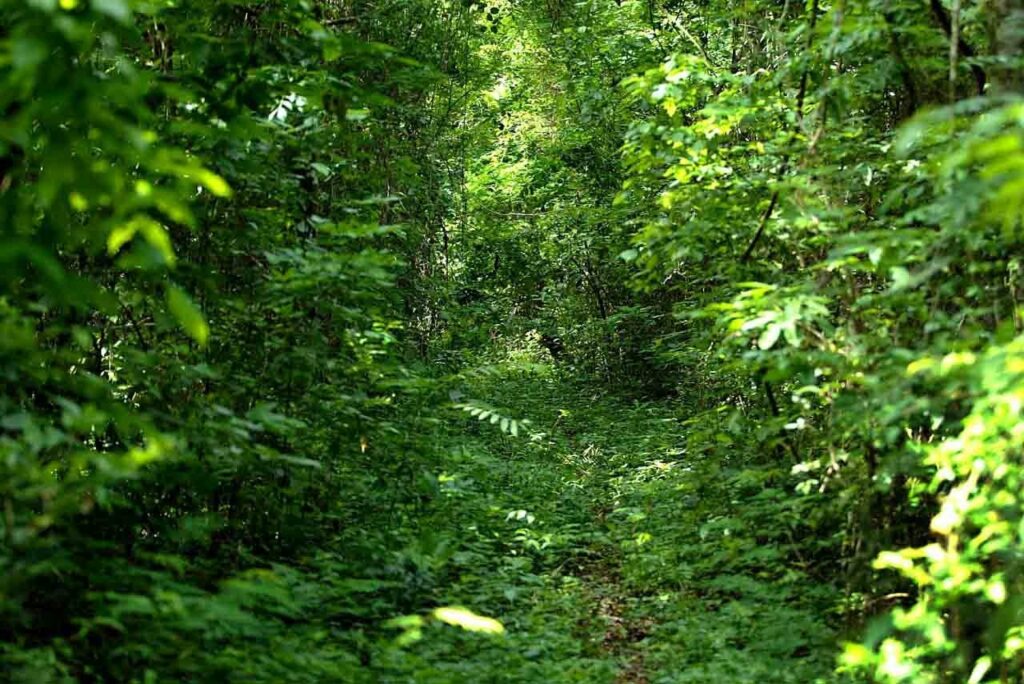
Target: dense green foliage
519,340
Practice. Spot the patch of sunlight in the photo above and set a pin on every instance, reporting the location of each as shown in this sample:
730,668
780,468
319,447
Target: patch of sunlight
155,448
500,90
521,515
288,104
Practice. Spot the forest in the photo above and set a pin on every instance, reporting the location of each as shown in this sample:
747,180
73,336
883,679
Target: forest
535,341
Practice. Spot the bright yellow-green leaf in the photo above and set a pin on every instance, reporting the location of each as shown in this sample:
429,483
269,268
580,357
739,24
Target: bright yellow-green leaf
153,450
153,232
468,620
120,236
855,655
159,239
214,183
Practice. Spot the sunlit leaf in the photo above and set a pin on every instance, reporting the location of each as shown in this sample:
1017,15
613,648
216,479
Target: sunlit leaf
468,620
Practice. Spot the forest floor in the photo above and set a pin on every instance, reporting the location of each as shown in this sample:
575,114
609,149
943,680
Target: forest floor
609,554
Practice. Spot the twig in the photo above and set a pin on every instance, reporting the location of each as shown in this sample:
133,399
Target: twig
801,96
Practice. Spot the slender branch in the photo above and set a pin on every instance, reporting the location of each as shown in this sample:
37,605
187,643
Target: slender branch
143,344
764,218
805,74
941,16
801,96
954,44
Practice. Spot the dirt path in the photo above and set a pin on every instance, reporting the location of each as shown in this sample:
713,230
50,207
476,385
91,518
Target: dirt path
623,633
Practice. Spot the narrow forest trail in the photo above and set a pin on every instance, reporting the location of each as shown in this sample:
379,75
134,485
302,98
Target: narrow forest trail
615,556
624,633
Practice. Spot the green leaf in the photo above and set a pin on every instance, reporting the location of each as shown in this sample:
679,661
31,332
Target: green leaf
299,461
120,236
214,183
188,315
769,337
468,620
901,278
158,238
153,232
